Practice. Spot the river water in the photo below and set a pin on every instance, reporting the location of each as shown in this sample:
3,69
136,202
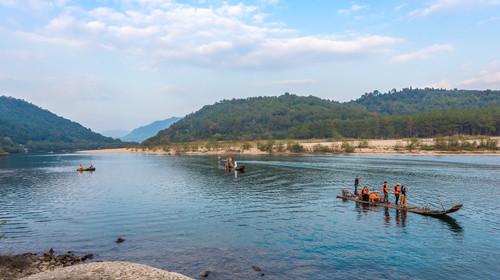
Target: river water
184,214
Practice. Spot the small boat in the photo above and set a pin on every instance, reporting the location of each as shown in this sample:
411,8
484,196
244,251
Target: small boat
238,168
426,211
86,169
234,165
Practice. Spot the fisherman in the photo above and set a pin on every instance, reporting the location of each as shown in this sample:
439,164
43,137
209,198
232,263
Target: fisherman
403,196
91,166
385,190
364,193
396,192
356,184
228,163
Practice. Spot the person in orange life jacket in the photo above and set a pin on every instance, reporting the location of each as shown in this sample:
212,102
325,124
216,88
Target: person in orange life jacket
385,190
374,197
364,193
396,192
403,196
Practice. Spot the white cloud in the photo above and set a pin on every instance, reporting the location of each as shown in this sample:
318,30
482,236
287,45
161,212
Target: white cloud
171,89
58,41
228,36
446,84
422,54
5,77
36,5
439,6
353,8
289,82
75,85
483,82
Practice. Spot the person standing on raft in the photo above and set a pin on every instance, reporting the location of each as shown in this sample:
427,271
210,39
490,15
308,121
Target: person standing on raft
396,192
385,190
356,184
403,196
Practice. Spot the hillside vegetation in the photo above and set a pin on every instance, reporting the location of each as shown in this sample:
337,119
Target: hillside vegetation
26,126
412,101
425,113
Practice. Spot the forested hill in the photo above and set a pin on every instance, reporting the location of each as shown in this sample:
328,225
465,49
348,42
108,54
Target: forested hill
413,101
295,117
286,116
24,125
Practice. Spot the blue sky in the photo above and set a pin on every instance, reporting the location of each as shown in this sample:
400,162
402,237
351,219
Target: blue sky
120,64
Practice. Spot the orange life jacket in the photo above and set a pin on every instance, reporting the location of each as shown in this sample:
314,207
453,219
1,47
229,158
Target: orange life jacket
396,189
364,191
385,188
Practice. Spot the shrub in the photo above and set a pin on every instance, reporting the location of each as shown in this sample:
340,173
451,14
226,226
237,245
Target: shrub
318,148
346,147
363,144
488,144
246,146
411,144
295,147
280,147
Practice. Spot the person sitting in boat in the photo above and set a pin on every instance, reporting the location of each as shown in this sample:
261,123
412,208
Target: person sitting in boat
374,197
91,166
80,167
229,163
364,193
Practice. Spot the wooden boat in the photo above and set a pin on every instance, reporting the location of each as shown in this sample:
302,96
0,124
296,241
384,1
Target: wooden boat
86,169
237,167
240,168
422,211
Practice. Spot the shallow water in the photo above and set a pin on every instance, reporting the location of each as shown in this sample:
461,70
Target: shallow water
184,214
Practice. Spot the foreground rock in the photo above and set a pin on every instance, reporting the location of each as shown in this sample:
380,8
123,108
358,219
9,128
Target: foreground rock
106,271
18,266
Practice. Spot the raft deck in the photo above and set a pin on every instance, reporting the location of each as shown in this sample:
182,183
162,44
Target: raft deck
414,209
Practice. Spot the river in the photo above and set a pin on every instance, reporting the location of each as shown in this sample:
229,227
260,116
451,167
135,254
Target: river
184,214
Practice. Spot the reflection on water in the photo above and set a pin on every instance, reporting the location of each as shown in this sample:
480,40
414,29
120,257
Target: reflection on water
451,222
186,214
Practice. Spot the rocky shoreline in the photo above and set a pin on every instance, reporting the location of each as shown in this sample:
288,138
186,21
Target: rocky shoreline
69,266
22,265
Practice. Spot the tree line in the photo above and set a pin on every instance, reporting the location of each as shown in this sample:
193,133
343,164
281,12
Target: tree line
294,117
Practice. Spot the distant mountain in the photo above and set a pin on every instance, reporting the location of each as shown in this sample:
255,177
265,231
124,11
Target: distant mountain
117,133
27,127
144,132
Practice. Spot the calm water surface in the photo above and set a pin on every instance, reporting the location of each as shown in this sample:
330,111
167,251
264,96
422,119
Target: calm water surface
184,214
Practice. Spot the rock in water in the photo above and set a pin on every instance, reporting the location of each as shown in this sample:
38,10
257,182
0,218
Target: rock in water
205,273
120,240
256,268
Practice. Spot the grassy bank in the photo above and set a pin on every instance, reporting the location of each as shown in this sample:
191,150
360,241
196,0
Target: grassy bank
450,145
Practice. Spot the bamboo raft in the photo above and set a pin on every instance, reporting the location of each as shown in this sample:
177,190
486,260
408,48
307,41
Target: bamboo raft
419,210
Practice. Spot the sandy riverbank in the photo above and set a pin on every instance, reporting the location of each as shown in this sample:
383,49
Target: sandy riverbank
373,147
108,270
